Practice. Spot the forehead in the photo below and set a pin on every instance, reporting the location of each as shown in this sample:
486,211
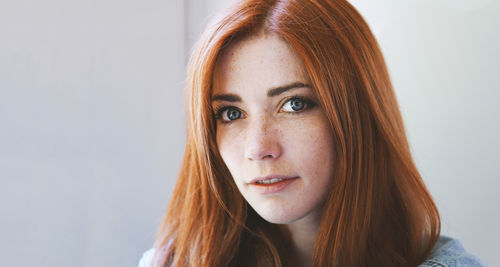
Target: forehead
262,61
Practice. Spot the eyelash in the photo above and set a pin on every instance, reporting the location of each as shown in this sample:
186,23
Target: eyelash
308,105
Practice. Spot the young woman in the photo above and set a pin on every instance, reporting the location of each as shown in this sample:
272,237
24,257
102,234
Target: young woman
296,152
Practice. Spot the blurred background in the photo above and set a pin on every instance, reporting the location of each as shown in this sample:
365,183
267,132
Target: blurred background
92,123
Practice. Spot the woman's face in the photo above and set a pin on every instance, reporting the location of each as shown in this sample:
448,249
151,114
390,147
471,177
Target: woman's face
271,131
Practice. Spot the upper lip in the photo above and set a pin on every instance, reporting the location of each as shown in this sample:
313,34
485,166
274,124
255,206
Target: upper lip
271,176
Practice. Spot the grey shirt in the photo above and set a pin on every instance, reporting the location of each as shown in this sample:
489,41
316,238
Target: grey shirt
447,252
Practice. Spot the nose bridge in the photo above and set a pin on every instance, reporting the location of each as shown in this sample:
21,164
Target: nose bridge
262,140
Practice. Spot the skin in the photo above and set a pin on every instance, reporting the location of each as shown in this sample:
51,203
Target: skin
259,135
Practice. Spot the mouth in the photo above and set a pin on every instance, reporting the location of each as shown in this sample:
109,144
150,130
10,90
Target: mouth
272,183
271,179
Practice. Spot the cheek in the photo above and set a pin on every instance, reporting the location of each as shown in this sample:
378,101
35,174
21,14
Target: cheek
312,150
230,145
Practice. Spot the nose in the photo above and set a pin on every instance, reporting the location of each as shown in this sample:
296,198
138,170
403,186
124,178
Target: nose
262,141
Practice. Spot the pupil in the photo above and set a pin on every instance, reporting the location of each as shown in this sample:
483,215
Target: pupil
233,114
297,105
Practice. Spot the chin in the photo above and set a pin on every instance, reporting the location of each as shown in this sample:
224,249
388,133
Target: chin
272,216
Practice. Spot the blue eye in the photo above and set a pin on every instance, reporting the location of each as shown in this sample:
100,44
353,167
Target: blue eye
233,114
295,104
228,114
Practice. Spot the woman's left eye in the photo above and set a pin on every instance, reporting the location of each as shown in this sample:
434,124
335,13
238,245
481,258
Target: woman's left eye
296,104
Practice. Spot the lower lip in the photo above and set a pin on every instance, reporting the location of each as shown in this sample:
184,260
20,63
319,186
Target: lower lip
274,187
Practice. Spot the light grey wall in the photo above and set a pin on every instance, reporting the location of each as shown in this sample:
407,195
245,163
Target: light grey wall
443,58
91,128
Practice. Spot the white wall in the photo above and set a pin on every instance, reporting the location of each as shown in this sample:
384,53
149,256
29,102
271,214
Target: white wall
91,128
443,58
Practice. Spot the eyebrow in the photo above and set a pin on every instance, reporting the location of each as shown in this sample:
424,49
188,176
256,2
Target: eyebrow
271,93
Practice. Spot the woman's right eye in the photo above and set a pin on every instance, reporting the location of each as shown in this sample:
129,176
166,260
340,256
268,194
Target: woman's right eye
228,114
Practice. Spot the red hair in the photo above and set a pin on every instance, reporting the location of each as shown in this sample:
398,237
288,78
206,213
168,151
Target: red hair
378,212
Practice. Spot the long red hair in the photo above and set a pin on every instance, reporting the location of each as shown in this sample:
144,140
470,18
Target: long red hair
378,212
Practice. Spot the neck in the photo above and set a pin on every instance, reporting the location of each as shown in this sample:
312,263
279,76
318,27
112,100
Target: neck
303,233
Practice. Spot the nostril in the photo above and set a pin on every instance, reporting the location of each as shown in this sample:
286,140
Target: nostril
263,151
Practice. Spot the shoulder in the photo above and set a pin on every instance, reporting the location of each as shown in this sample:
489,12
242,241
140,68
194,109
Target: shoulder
153,256
449,252
146,259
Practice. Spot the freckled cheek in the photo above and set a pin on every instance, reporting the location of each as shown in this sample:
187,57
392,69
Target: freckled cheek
309,137
230,145
310,147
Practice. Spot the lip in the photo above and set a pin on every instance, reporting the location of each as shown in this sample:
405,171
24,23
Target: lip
274,187
271,176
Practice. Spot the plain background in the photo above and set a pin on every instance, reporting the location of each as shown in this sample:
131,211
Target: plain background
92,129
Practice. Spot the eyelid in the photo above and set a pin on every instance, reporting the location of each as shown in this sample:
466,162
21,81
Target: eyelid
309,103
218,110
